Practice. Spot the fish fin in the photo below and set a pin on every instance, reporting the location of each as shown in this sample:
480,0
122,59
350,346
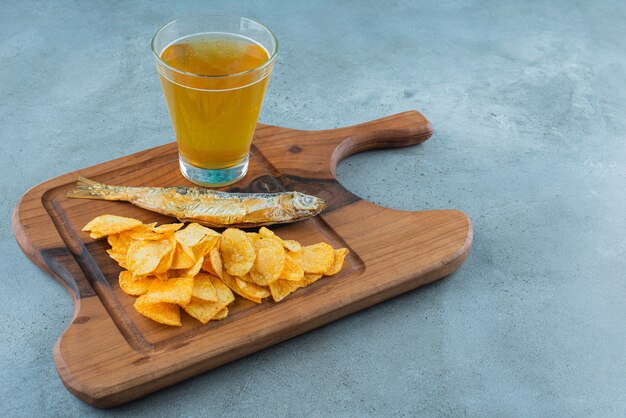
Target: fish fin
84,189
84,181
90,189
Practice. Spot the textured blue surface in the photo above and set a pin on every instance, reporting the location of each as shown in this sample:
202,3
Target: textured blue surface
529,102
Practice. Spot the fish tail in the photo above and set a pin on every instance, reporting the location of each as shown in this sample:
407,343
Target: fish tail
90,189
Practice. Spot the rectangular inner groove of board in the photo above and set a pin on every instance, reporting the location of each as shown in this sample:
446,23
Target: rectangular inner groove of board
102,287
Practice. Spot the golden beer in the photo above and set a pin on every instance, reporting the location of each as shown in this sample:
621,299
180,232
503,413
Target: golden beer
214,83
214,128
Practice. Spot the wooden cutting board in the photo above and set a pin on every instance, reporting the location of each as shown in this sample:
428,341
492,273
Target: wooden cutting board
110,354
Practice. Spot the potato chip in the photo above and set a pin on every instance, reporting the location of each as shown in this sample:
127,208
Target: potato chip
191,271
266,233
112,239
309,278
340,255
254,237
143,257
291,245
237,252
252,289
175,290
119,257
120,242
315,258
268,263
141,231
145,227
184,257
164,313
224,295
161,229
146,235
203,288
231,282
203,310
166,261
213,263
221,314
205,245
291,270
110,224
162,276
280,289
135,286
193,234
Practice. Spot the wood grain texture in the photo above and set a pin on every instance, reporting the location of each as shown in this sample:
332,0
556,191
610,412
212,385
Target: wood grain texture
110,354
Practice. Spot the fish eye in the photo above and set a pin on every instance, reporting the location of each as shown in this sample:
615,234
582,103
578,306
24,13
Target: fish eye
302,201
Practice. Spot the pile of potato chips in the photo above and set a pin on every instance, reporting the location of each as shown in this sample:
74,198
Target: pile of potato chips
198,269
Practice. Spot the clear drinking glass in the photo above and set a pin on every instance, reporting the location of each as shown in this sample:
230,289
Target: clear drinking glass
214,71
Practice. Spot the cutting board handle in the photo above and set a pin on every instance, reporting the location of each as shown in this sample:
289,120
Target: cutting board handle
400,130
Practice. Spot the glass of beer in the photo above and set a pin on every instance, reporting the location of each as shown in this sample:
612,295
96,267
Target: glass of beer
214,71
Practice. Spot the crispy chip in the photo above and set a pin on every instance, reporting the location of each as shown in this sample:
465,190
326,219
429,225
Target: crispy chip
135,286
146,235
281,288
193,270
340,255
254,237
119,257
175,290
145,227
164,313
143,257
110,224
119,242
266,233
113,240
289,244
203,288
309,278
291,270
161,229
199,238
184,257
292,245
221,314
205,245
213,263
166,261
315,258
224,295
203,310
231,282
193,234
237,252
268,263
248,287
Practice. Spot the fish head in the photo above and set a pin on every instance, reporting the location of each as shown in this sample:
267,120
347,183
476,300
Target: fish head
306,203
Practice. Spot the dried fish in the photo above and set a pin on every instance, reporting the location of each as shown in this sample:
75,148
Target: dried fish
208,207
